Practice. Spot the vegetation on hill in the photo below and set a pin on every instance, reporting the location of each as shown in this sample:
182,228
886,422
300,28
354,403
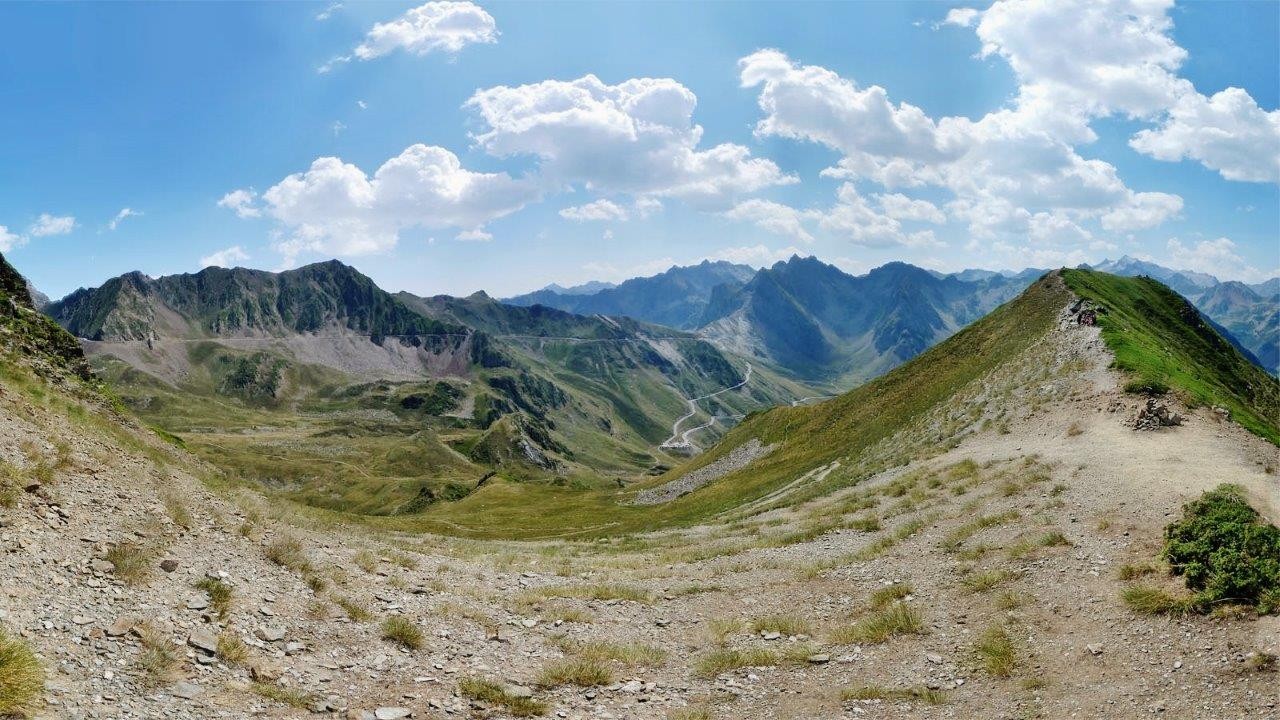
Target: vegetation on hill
28,334
1160,337
1226,551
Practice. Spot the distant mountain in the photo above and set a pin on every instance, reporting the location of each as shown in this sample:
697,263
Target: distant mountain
676,298
587,288
1186,282
481,385
825,325
218,302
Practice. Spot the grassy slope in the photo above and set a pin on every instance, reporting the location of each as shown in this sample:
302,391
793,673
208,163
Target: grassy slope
1158,336
811,436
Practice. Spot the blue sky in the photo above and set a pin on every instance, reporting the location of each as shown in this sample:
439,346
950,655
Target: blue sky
951,136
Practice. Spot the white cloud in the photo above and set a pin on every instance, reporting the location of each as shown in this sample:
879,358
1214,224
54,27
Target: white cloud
901,207
1227,132
474,235
1145,210
607,235
774,217
120,217
328,11
636,137
227,257
335,208
433,27
241,202
47,224
964,17
609,271
600,210
9,240
338,126
362,105
1216,257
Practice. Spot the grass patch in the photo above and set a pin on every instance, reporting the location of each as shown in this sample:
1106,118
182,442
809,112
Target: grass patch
1148,600
583,671
918,693
366,561
160,660
786,625
496,694
885,596
1133,572
231,649
985,581
21,677
132,562
726,659
403,632
896,619
220,595
287,552
599,591
352,608
292,697
177,511
995,652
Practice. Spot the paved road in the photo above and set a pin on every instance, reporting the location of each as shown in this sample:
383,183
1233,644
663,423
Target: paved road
681,440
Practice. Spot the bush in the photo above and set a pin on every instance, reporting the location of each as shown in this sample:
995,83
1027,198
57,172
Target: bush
1225,550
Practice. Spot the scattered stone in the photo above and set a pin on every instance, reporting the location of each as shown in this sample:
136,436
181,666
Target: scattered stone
198,603
265,671
185,690
203,640
269,633
1094,648
820,659
934,658
392,713
519,691
168,565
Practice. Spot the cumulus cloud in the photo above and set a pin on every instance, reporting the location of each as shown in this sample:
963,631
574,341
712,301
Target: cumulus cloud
444,27
774,217
636,137
756,255
964,17
901,207
1227,132
336,208
120,217
1216,257
1144,210
226,257
242,203
10,240
47,224
600,210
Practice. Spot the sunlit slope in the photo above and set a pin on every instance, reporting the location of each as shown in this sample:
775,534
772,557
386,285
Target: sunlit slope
807,437
1159,337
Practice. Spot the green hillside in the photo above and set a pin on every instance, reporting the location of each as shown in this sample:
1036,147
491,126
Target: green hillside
1160,337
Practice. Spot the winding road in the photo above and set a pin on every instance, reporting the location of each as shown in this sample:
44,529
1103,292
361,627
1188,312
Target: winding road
681,440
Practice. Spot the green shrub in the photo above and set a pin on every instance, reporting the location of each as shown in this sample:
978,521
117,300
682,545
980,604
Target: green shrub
1225,550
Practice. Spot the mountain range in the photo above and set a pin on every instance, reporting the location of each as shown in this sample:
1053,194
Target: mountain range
828,327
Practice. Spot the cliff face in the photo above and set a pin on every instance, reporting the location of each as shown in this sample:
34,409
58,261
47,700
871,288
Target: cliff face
31,338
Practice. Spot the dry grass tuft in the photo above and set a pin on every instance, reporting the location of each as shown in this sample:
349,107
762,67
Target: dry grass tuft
1148,600
403,632
231,649
292,697
896,619
995,652
132,561
786,625
21,677
220,595
583,671
160,660
287,552
887,595
495,694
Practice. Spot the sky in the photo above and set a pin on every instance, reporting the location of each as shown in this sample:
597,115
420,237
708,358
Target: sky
450,147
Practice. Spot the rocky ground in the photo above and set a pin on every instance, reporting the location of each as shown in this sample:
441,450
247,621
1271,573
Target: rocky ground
151,590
